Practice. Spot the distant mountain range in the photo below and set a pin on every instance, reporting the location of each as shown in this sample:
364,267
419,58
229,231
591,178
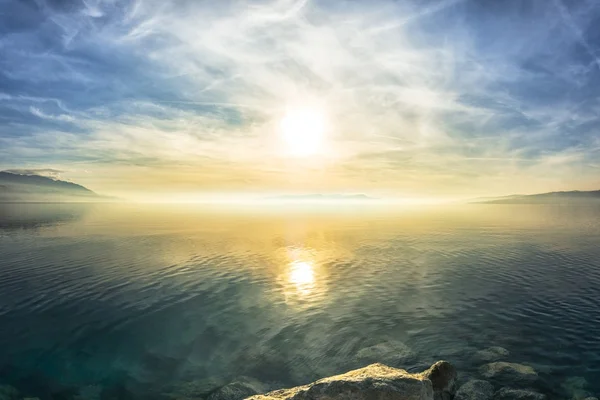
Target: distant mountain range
35,188
15,187
574,196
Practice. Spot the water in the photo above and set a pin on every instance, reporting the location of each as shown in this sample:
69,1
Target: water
107,301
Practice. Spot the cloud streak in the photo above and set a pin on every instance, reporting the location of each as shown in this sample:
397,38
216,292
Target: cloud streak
437,98
49,172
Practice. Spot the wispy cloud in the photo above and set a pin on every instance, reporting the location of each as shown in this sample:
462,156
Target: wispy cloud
61,117
49,172
441,97
577,31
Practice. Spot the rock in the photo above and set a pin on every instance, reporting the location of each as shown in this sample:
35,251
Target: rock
195,389
575,387
518,394
8,392
442,375
418,367
491,354
374,382
509,373
392,353
475,390
238,390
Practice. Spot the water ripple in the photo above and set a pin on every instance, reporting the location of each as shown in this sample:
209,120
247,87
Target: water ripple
135,304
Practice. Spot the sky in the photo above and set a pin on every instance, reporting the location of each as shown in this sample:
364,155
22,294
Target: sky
148,99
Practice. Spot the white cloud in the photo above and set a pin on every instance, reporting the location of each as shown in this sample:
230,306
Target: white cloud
60,117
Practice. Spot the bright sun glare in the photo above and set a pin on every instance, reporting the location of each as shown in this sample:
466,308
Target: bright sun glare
303,131
302,275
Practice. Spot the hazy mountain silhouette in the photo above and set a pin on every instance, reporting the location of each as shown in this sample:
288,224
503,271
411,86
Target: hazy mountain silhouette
36,188
545,198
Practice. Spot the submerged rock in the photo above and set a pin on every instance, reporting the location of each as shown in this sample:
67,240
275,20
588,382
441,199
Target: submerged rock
8,392
194,389
509,373
518,394
442,375
374,382
393,353
575,387
475,389
491,354
238,390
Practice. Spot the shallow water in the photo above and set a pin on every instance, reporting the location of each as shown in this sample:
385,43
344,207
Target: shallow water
113,301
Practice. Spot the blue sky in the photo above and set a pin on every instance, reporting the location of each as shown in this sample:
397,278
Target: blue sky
422,98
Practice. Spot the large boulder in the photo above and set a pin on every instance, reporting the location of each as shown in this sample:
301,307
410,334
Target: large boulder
238,390
391,353
509,374
518,394
374,382
442,375
491,354
475,390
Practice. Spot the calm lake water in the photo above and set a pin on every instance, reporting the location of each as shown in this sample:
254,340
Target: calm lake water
113,301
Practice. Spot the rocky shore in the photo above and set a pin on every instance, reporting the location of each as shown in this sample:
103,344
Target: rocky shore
495,379
380,382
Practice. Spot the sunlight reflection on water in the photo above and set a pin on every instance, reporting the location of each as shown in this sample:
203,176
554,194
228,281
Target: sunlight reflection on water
302,275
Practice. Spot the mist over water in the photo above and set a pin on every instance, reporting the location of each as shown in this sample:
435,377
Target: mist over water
138,300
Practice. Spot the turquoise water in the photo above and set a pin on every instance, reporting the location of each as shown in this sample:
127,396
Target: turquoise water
113,301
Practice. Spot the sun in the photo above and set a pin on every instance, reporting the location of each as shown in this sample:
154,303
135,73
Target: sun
303,131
